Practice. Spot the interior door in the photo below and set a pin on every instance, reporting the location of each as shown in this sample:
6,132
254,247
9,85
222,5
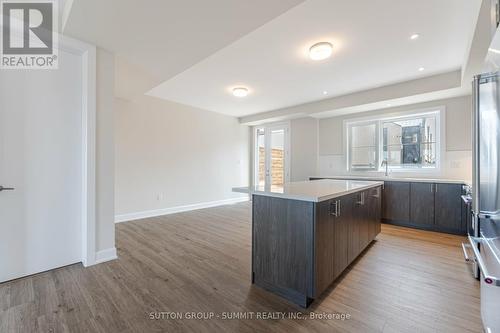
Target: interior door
272,155
41,160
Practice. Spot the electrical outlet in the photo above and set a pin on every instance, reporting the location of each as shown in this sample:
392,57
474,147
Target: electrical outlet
160,197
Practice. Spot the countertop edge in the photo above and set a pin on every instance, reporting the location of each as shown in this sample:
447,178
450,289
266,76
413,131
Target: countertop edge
301,197
402,179
341,194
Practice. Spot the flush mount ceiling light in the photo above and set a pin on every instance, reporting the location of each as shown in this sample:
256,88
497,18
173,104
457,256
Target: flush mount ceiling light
421,69
240,92
320,51
414,36
325,92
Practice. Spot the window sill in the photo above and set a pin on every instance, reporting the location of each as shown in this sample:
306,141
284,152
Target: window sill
435,172
414,170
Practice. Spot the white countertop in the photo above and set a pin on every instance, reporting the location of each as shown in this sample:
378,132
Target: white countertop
315,191
398,179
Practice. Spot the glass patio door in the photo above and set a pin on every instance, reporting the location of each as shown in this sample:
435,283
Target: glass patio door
271,155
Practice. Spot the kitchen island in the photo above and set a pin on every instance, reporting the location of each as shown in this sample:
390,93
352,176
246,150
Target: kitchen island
305,234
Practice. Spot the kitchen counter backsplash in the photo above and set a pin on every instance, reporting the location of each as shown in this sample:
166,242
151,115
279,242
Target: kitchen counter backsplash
456,165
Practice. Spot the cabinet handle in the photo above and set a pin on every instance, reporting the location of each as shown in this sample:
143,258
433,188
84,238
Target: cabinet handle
436,188
432,188
6,188
338,207
378,193
361,201
334,212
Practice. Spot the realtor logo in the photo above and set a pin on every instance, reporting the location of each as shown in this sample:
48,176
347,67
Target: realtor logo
29,37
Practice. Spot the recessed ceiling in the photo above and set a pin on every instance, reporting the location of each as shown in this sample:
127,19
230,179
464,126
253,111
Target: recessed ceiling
371,48
165,37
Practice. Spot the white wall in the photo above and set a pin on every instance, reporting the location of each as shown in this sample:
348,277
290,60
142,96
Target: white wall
456,159
303,148
170,155
105,168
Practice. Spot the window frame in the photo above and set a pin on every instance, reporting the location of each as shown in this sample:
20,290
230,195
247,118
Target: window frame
268,127
350,125
437,112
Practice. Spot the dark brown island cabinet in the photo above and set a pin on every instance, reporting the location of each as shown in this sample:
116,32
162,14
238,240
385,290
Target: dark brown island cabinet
300,247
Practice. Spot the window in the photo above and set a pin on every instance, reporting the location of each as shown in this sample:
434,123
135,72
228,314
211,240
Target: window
271,155
260,156
410,142
363,150
406,143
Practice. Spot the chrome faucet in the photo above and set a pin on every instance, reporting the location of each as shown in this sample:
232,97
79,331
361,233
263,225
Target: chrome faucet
386,164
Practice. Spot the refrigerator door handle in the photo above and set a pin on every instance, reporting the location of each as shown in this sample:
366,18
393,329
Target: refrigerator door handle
476,121
493,280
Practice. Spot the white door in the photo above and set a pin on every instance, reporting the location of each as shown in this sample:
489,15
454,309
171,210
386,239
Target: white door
271,155
41,158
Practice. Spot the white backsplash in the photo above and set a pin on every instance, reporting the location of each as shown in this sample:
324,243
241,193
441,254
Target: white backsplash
454,165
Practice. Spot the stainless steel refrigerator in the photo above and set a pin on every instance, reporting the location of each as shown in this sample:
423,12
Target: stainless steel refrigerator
485,240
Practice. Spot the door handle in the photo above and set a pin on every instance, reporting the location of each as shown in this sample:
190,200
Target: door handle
6,188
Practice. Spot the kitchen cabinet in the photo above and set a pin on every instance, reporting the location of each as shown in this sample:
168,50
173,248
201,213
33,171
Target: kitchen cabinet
345,226
432,206
448,207
374,203
396,201
341,232
364,224
325,244
300,247
282,243
422,203
355,227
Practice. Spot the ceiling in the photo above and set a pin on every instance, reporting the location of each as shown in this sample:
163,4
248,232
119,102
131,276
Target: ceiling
165,37
371,42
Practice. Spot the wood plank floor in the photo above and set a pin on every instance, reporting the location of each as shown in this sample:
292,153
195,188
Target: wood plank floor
406,281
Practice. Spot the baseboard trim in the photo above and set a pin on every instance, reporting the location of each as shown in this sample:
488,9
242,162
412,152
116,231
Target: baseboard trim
105,255
433,228
177,209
